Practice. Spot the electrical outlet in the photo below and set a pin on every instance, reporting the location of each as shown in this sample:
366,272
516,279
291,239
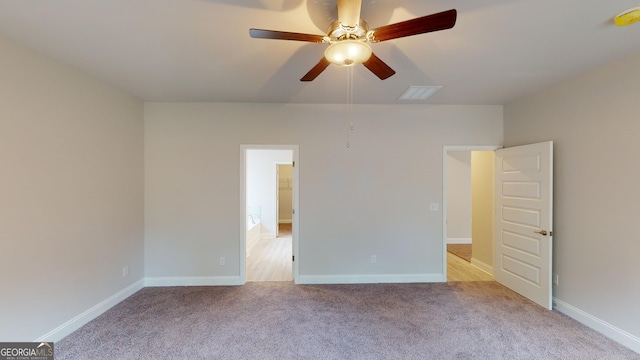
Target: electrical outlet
373,259
125,271
222,260
434,206
555,279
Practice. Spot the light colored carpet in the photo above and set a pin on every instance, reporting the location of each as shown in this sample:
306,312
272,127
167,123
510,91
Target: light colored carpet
280,320
462,251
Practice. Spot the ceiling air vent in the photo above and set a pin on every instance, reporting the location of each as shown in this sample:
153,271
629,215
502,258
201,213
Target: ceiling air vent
419,92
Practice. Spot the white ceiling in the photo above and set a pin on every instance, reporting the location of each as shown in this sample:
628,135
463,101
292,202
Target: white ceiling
200,50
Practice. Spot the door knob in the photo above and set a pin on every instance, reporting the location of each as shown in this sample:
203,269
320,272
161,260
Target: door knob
541,232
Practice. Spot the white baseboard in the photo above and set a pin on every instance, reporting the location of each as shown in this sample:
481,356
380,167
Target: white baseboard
267,236
482,266
603,327
369,279
192,281
458,240
80,320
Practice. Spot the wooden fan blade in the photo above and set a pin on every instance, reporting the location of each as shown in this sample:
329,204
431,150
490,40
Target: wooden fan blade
379,67
349,12
434,22
284,35
316,70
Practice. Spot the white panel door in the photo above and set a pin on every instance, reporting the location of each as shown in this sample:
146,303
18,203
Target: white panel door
524,201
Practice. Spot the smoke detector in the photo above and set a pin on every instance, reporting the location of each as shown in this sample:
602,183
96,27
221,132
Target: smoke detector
628,17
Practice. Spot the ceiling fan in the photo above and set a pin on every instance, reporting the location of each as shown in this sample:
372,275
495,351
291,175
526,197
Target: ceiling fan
349,37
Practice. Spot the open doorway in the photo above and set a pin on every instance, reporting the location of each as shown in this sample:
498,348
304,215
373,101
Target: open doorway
267,256
284,199
468,206
517,218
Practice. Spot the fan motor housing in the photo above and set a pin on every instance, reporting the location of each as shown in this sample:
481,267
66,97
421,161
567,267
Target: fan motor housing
337,31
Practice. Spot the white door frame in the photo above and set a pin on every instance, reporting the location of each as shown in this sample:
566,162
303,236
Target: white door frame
243,206
277,200
447,149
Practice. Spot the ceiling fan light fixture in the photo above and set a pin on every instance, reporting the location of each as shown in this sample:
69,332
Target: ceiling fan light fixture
348,52
348,38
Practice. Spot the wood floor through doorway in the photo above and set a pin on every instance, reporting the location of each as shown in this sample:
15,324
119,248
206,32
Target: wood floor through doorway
461,270
284,230
270,260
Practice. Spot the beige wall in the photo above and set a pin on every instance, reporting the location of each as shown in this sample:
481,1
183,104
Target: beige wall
483,208
594,123
369,199
71,194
